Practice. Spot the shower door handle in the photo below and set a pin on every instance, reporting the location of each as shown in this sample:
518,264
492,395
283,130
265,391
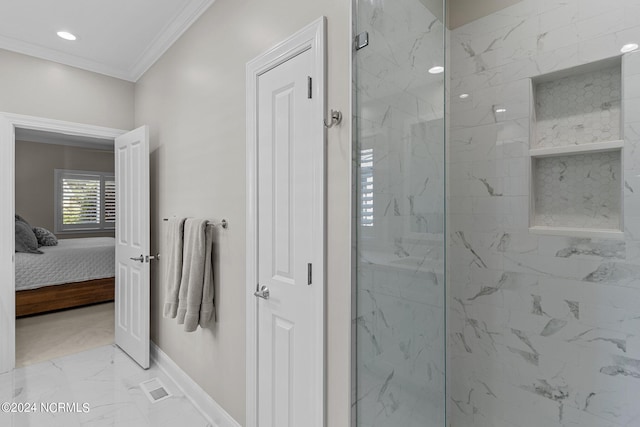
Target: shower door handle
262,293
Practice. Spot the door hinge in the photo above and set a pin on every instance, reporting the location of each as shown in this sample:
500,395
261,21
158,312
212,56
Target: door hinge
309,274
361,40
309,87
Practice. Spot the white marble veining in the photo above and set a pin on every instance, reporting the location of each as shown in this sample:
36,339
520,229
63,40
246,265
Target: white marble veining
543,330
107,380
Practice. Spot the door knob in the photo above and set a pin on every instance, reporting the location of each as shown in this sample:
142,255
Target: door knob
140,258
262,293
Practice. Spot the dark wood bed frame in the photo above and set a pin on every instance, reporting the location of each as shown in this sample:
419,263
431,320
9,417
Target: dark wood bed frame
58,297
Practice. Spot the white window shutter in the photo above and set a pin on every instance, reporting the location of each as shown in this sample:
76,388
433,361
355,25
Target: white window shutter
366,187
80,201
110,201
85,201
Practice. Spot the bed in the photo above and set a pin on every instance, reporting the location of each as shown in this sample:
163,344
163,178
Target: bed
76,272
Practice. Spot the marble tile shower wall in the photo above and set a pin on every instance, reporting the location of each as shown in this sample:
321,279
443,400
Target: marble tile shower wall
544,330
399,321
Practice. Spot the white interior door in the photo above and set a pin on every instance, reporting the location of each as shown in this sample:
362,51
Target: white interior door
132,244
290,224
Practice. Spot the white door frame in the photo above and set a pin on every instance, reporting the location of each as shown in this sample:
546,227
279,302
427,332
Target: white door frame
8,123
312,37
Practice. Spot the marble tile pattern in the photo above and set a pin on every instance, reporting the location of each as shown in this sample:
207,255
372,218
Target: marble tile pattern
542,330
578,109
107,380
578,191
400,318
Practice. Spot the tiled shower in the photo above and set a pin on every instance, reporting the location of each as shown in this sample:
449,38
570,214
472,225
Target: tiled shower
497,215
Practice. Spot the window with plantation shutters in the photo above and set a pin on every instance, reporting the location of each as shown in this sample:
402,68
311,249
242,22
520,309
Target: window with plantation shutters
366,187
110,201
85,201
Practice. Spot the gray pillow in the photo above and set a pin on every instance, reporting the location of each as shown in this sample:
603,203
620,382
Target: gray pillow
19,218
25,239
45,237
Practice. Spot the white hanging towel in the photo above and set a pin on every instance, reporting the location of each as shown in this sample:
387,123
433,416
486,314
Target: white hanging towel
195,299
173,272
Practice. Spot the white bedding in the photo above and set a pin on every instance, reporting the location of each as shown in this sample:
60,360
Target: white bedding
73,260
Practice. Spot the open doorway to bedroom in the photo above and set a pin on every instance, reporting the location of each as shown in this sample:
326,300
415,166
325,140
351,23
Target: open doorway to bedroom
132,231
64,270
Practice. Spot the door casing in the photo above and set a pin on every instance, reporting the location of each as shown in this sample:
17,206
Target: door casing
8,123
311,37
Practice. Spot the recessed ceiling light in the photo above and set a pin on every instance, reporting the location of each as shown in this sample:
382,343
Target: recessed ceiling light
464,96
436,70
629,47
66,35
501,110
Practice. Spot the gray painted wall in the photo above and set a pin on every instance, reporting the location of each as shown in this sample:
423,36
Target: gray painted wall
40,88
35,166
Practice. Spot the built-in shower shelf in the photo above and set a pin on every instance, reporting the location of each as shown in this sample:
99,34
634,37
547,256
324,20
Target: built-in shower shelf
578,106
576,152
577,191
593,147
578,232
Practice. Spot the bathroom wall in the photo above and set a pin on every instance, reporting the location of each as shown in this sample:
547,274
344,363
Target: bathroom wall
399,148
193,98
35,169
41,88
543,328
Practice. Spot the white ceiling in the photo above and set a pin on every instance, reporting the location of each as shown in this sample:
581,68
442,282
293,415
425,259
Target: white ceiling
119,38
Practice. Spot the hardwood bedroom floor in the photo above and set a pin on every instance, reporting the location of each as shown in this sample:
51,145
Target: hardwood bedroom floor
49,336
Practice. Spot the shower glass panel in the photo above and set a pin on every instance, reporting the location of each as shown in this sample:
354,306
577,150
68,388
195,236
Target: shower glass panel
399,318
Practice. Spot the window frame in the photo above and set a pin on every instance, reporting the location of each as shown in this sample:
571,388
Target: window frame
102,225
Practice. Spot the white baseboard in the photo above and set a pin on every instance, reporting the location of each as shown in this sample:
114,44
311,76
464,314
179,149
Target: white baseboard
210,409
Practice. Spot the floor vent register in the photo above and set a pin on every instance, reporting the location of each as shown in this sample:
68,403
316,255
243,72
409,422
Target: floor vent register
155,390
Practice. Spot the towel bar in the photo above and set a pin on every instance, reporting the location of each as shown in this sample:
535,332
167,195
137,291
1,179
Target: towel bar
224,224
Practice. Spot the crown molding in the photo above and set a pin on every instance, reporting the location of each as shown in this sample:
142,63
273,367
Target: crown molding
160,44
168,36
53,55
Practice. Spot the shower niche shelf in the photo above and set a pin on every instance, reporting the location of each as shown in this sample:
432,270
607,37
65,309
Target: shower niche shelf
576,152
578,106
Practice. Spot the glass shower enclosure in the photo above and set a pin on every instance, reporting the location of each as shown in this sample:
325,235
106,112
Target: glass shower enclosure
543,230
399,139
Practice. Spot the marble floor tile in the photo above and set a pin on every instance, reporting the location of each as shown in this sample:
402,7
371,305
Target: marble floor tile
101,387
